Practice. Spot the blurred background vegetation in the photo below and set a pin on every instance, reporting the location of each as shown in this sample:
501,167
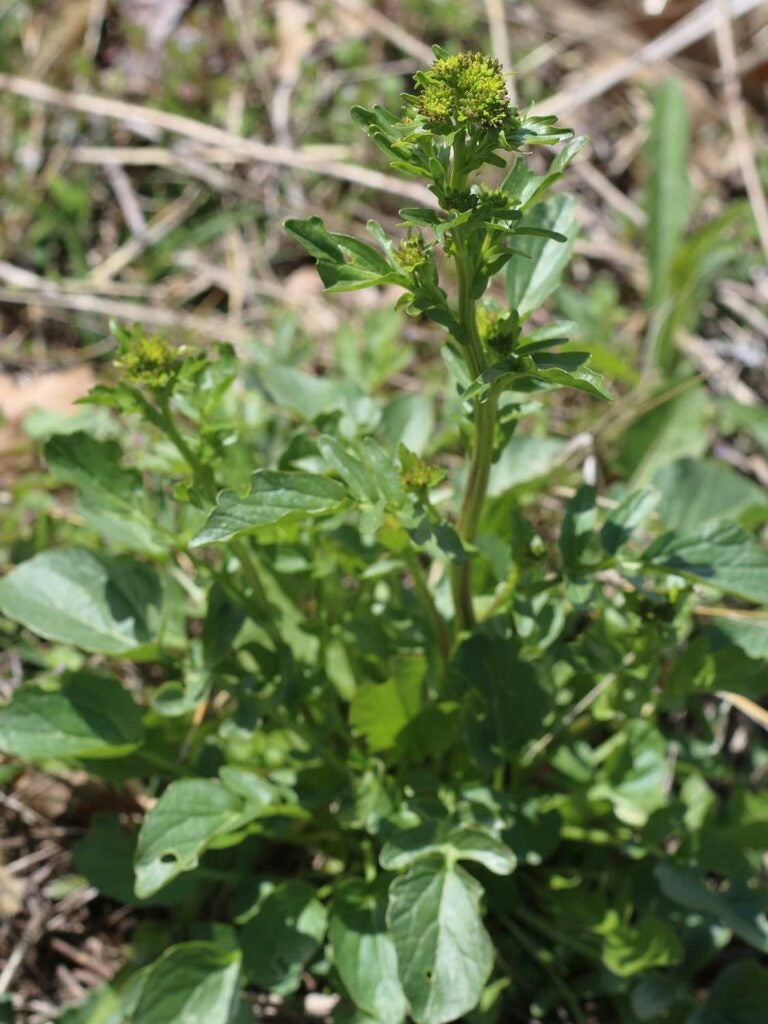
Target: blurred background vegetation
151,148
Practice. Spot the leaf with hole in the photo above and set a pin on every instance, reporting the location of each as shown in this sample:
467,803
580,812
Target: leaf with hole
444,953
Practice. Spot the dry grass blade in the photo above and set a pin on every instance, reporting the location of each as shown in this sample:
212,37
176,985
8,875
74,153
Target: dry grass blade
212,326
163,223
389,30
126,197
726,49
747,707
688,30
209,135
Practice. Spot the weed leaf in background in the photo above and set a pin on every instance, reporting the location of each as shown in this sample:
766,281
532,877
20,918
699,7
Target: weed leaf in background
537,265
668,201
89,716
106,604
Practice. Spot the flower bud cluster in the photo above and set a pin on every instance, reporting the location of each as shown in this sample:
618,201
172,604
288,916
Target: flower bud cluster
467,88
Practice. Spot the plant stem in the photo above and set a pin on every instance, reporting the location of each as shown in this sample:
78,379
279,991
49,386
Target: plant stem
482,450
206,481
202,474
261,603
437,622
533,951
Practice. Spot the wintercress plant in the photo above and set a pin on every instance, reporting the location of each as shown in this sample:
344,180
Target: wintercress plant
394,740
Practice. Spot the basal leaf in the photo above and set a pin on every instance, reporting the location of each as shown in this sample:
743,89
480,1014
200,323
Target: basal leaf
90,715
193,983
279,938
275,497
697,491
505,702
453,842
737,906
635,772
364,953
102,603
380,711
578,527
105,857
444,953
739,995
189,815
627,518
722,555
103,1006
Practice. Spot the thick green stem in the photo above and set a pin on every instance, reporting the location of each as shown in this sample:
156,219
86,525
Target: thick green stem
482,449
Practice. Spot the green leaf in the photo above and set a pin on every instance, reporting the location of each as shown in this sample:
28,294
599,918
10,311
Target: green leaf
105,857
315,238
505,702
274,497
102,603
739,995
343,262
532,372
537,265
627,518
287,927
697,491
351,470
723,556
578,527
380,711
444,953
88,464
189,815
364,953
453,843
633,948
668,186
194,982
636,771
673,427
307,395
90,715
737,906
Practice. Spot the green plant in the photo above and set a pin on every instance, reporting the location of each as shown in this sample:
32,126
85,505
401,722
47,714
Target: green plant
397,742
